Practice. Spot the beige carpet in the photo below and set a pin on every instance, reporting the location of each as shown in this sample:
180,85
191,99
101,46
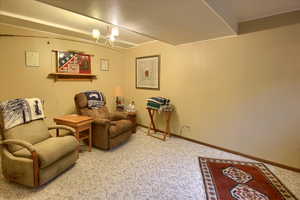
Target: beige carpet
143,168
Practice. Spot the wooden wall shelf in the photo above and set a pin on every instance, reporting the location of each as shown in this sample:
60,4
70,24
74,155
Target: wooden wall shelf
72,77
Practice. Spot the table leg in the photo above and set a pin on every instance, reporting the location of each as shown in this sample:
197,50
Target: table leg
152,124
168,118
78,139
132,118
90,139
57,132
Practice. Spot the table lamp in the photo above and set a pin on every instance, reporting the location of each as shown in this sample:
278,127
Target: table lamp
119,99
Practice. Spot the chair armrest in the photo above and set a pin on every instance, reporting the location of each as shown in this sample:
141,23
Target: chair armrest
118,116
57,127
102,122
22,143
113,123
68,128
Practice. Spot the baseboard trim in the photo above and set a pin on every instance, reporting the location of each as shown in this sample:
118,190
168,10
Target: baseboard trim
231,151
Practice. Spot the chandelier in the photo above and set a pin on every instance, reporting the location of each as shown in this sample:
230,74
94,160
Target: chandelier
109,37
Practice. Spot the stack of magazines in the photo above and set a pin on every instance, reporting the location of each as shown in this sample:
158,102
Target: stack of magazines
160,104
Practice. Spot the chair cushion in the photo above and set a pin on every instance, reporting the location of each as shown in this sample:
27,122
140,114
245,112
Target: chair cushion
120,127
48,173
33,132
51,150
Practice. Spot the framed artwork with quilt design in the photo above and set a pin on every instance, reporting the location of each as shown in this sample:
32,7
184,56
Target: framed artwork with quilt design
73,62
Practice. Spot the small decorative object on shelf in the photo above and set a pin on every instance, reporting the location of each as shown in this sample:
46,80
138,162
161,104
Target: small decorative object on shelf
72,65
131,107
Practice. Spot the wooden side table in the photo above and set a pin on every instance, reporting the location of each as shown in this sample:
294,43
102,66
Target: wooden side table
168,115
80,124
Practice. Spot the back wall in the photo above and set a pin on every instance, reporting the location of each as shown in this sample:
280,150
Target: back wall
17,80
239,93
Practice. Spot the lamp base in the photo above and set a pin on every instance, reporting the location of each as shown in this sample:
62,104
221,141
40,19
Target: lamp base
120,107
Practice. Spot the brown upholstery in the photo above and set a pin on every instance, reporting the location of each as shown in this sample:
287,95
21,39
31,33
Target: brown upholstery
30,156
109,129
119,127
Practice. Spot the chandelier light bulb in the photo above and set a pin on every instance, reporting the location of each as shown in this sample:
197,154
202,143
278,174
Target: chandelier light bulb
115,31
112,38
96,33
108,37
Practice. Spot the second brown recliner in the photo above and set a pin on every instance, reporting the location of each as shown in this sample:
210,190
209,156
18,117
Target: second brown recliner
109,129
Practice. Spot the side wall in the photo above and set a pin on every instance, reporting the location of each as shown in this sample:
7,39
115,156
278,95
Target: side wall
239,93
17,80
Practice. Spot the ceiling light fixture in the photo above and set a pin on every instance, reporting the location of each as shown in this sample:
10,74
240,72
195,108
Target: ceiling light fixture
112,38
109,37
96,34
115,31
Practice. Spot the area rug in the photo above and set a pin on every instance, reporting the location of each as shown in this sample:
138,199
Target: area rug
236,180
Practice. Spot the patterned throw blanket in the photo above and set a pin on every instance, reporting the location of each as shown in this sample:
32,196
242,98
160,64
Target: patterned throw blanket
159,103
95,99
20,111
159,100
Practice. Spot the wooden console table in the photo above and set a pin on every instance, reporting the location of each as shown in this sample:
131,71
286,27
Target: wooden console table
152,125
79,123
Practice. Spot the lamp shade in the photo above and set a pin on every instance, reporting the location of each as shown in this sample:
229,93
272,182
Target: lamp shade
118,92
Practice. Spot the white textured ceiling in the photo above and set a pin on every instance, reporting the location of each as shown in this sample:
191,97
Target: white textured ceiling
37,15
172,21
245,10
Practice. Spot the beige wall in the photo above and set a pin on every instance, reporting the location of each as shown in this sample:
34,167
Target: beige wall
239,93
17,80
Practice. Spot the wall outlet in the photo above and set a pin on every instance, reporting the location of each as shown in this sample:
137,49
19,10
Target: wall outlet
184,129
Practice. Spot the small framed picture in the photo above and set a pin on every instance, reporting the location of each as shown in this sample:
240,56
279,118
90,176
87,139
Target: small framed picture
104,64
32,59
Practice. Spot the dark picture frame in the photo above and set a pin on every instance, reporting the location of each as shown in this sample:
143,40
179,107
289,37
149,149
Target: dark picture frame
73,62
147,72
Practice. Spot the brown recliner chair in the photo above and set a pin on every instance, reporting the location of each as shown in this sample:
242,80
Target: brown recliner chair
108,129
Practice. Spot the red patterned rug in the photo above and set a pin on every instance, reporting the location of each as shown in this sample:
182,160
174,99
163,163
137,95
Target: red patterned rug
237,180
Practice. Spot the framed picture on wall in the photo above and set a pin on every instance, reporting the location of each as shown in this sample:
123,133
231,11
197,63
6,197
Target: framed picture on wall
73,62
104,64
147,72
32,59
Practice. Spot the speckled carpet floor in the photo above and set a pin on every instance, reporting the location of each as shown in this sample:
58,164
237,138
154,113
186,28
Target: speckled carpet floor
143,168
